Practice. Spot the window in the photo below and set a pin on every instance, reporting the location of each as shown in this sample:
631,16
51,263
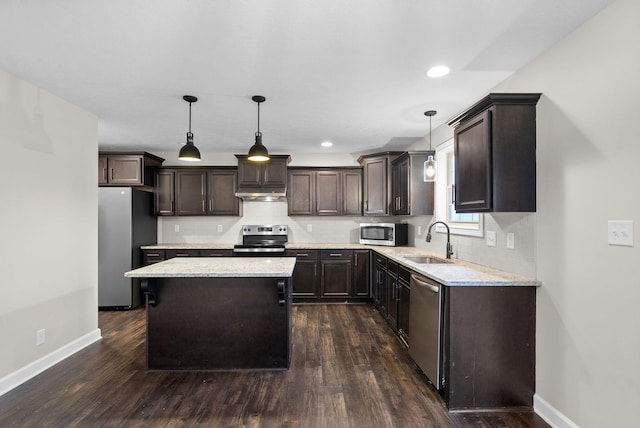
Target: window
460,224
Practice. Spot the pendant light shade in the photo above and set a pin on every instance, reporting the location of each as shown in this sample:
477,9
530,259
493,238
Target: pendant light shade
258,152
429,170
189,152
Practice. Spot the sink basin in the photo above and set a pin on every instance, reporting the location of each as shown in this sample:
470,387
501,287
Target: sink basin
425,260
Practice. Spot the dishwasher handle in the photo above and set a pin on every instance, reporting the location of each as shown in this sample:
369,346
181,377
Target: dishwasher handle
427,285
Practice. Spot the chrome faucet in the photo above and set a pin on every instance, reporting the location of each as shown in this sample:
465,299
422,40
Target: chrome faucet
449,247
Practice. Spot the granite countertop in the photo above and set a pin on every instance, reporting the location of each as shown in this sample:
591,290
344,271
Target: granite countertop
202,246
217,267
456,273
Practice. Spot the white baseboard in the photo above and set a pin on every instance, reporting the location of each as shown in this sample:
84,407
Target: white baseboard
550,414
33,369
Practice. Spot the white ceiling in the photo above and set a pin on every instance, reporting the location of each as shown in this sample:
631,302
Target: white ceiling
352,72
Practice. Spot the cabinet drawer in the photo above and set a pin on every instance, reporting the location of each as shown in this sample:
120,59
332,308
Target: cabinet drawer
303,254
336,254
152,256
381,261
215,253
404,274
181,253
392,268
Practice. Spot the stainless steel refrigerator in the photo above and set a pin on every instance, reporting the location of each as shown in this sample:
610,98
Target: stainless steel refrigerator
125,222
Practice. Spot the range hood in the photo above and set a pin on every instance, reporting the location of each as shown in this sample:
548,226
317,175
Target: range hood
264,195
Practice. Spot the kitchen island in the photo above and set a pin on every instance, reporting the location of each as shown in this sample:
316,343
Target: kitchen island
218,313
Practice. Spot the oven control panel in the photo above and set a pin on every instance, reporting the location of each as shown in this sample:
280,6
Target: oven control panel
255,229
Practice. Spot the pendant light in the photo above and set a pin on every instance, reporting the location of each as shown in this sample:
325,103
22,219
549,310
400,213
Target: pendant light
429,170
258,152
189,152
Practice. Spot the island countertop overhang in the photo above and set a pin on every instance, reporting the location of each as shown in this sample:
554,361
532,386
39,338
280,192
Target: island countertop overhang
217,267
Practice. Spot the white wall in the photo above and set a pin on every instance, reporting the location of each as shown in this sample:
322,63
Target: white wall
48,250
588,317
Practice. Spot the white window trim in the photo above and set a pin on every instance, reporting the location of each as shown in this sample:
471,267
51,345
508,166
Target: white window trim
441,198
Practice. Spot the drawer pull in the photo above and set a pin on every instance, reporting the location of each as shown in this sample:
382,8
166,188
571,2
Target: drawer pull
335,255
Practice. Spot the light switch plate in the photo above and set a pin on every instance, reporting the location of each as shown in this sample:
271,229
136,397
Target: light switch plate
492,239
620,232
176,228
510,241
219,228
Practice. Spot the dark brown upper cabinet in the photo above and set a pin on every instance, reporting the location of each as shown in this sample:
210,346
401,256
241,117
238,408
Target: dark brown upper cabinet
262,175
196,191
325,191
377,183
127,168
495,154
410,194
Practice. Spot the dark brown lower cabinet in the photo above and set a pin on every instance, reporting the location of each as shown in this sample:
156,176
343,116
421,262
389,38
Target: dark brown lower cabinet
319,275
361,273
305,275
336,273
404,297
379,282
154,256
150,257
488,347
391,294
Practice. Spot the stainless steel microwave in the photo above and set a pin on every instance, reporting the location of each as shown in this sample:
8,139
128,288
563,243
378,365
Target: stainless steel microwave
389,234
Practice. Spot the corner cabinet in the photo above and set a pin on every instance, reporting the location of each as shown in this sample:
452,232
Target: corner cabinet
127,168
377,183
325,191
410,194
190,191
495,155
330,275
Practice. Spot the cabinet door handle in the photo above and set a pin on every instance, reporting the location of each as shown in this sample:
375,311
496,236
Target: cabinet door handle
453,194
111,173
210,205
282,296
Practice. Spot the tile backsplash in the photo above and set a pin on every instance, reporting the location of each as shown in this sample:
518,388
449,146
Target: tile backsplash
317,229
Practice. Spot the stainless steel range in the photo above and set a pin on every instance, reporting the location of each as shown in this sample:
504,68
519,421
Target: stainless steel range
262,241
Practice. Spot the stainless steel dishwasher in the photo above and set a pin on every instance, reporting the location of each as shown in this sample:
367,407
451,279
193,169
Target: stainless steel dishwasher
425,340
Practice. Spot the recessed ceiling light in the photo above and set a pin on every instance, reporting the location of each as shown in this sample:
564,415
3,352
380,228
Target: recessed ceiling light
438,71
326,144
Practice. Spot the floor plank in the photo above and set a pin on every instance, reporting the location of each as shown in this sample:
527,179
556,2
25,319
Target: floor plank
348,370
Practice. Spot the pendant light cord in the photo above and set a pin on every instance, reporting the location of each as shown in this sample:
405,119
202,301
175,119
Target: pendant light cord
258,132
430,149
189,117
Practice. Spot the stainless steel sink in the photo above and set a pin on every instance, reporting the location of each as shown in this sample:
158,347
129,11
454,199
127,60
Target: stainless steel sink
425,260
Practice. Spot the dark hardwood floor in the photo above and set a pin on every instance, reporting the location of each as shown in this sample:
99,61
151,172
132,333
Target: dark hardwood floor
348,370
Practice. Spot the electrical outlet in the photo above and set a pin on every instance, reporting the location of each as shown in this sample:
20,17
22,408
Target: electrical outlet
219,228
492,239
309,228
510,241
419,230
176,228
620,232
40,336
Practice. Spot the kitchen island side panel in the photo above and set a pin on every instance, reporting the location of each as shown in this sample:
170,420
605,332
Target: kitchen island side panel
218,323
